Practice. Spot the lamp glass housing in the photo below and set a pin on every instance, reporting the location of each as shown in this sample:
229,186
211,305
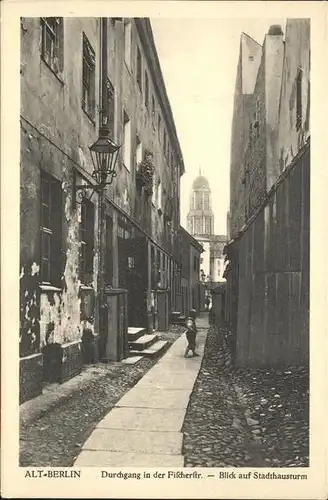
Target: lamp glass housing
104,154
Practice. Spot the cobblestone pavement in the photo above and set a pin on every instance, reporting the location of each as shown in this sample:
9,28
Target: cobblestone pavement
245,417
56,437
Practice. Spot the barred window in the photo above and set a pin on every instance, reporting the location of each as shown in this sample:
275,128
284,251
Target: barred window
50,229
109,118
88,78
52,42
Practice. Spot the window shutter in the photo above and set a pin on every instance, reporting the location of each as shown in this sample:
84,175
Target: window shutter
56,227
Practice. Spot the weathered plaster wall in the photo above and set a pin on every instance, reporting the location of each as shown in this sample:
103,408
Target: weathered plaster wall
53,105
248,64
132,101
297,55
274,56
255,152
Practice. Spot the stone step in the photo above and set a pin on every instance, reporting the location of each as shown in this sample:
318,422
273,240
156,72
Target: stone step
154,350
143,342
135,332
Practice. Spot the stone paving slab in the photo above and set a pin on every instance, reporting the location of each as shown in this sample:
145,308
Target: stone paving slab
125,441
153,397
132,360
169,380
144,428
189,366
115,459
145,419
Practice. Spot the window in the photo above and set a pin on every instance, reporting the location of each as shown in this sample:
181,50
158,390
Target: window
251,58
159,127
127,142
139,69
299,99
153,109
207,225
87,241
109,251
88,78
50,229
109,116
146,90
199,203
206,201
195,263
127,42
52,42
138,151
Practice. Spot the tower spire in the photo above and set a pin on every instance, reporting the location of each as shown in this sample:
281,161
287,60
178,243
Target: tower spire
200,170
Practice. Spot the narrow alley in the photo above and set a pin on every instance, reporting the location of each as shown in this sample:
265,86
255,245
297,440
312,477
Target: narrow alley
196,412
137,222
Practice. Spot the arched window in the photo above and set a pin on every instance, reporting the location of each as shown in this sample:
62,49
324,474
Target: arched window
206,201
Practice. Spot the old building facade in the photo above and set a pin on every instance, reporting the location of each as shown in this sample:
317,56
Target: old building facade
91,266
190,294
267,304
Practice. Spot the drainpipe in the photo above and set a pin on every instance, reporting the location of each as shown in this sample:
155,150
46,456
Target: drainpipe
103,132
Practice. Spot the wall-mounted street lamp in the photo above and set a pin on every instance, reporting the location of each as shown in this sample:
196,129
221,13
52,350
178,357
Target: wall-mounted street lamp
104,154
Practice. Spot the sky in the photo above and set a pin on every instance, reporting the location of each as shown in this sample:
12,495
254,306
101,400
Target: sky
199,63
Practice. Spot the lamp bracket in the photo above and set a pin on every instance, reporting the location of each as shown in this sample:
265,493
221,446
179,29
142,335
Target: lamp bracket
80,191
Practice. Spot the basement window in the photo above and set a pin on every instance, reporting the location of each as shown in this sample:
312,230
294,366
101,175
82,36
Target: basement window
50,230
88,79
52,42
87,241
299,78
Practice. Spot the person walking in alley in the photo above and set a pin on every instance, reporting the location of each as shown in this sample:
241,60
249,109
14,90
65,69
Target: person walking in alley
191,333
207,304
